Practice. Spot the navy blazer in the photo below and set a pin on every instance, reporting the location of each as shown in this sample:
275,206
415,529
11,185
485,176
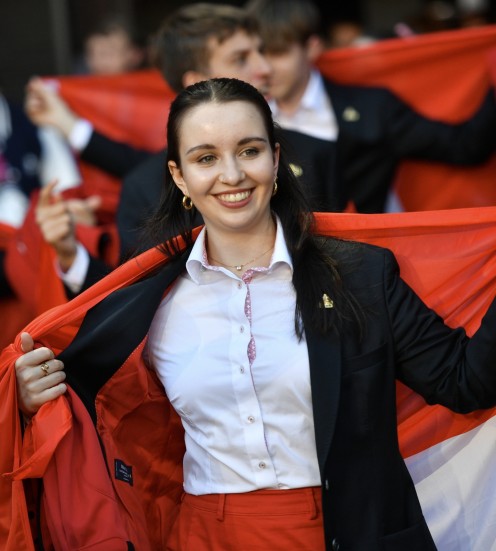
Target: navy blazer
369,499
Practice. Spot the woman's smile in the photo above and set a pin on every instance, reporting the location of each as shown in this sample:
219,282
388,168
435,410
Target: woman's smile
235,199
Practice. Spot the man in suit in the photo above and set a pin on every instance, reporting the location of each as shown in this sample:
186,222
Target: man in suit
363,132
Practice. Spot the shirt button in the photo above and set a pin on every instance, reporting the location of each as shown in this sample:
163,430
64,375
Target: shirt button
280,485
261,465
241,329
251,419
240,285
241,369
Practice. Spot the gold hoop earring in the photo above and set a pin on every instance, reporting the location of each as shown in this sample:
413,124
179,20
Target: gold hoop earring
187,202
274,191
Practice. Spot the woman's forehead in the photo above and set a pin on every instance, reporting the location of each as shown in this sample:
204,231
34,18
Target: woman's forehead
220,119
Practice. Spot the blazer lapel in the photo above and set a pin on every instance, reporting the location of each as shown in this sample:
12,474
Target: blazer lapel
324,354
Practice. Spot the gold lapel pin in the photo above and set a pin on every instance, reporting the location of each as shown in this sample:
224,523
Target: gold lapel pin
297,170
327,302
350,114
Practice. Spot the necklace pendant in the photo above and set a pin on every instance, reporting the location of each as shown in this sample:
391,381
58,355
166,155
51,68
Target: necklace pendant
239,268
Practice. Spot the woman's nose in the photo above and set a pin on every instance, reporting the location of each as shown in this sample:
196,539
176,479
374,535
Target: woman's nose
231,173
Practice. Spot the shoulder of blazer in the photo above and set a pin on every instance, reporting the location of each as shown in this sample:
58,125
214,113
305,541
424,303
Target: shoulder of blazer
363,99
361,263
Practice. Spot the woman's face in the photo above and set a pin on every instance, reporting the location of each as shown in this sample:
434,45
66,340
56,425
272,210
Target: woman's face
227,166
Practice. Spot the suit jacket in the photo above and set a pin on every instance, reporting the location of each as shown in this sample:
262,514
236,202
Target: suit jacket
377,130
369,500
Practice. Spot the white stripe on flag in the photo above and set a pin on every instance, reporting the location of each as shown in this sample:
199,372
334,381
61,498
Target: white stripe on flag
456,485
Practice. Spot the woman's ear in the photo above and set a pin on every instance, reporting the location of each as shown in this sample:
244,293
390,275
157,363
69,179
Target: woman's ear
177,176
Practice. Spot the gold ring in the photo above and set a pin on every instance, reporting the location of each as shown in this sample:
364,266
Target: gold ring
44,367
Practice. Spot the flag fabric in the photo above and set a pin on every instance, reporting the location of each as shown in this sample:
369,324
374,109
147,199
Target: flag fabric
449,258
14,313
131,107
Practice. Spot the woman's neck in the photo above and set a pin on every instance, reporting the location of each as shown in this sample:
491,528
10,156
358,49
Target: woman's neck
238,252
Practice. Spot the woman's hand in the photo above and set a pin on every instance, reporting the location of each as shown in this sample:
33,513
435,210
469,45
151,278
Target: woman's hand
39,376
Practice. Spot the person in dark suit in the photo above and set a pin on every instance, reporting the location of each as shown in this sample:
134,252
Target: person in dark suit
278,348
364,131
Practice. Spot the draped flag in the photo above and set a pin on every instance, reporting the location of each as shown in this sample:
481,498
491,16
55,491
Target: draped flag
448,257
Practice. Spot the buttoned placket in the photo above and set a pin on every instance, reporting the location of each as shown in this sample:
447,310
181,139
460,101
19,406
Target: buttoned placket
246,393
243,380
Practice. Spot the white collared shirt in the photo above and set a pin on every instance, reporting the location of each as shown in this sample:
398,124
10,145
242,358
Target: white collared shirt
314,116
247,427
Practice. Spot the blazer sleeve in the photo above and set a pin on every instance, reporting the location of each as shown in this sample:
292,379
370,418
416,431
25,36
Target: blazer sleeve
442,364
469,143
97,269
114,157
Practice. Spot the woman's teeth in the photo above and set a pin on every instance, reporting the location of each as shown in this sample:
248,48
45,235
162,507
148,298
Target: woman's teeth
234,197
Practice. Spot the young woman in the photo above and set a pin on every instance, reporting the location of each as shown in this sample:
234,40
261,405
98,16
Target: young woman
278,348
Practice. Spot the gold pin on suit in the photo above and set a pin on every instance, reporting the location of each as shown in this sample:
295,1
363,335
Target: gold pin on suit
297,170
327,302
350,114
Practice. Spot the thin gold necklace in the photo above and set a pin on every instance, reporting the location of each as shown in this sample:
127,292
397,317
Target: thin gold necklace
239,267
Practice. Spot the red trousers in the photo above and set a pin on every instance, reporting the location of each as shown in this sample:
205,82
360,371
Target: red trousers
265,520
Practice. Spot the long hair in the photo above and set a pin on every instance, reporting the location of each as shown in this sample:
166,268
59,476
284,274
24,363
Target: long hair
315,270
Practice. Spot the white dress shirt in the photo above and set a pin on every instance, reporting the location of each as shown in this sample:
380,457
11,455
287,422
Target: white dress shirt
314,116
248,425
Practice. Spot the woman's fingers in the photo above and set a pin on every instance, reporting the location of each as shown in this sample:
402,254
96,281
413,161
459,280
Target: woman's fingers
40,377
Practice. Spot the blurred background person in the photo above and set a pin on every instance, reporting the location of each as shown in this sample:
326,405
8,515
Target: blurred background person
112,47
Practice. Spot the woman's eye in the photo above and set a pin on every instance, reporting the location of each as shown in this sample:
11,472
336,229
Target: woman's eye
206,159
252,151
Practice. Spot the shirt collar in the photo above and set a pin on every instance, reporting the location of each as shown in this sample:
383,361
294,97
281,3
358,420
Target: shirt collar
200,270
314,97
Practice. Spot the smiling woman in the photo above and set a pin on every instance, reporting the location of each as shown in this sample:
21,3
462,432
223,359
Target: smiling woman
228,169
278,349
